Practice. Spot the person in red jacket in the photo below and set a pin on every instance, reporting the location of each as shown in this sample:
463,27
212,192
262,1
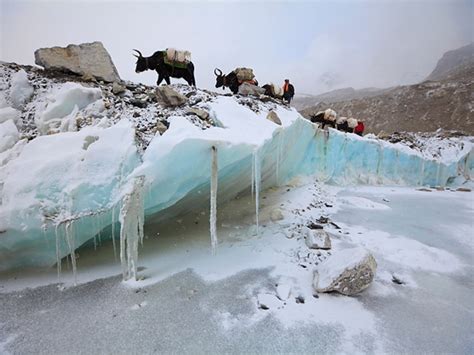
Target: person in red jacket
359,128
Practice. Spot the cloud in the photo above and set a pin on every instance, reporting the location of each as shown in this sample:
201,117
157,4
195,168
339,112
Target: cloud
318,45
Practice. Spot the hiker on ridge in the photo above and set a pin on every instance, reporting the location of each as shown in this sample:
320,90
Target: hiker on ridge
288,91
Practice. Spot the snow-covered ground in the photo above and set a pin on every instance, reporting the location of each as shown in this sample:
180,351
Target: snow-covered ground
188,300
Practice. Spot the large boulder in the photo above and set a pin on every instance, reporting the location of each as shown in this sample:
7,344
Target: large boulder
247,89
87,59
348,272
168,97
273,116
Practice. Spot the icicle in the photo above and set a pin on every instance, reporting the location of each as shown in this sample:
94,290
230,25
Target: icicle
437,182
213,212
69,231
131,219
253,174
422,172
258,177
279,149
58,246
113,232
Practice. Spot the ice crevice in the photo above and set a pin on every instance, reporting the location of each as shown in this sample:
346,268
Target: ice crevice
181,171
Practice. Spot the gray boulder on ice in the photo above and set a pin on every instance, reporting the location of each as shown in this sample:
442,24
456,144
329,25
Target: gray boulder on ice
317,239
198,112
168,97
272,116
348,271
87,59
247,89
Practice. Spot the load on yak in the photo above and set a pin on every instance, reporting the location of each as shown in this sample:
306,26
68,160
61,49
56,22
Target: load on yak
169,63
234,79
273,90
329,118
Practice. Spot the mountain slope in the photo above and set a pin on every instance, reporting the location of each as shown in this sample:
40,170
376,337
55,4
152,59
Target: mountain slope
446,103
452,61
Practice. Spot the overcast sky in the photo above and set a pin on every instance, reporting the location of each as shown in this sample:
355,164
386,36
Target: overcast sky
318,45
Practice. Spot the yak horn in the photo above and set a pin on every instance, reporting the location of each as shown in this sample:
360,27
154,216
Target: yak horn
217,72
136,50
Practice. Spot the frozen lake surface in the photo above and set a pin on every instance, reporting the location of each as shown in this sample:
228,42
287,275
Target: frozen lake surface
189,301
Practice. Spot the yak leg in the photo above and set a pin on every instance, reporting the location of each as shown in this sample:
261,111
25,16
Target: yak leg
167,79
160,79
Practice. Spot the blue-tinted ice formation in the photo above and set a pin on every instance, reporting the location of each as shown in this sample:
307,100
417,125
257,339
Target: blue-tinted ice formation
72,185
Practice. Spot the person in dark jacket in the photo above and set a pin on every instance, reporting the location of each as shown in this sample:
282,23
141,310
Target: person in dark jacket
288,91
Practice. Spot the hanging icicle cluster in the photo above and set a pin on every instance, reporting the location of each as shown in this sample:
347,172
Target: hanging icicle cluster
131,220
213,212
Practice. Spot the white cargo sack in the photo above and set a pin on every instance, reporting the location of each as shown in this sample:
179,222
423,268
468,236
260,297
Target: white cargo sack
174,55
244,74
277,90
352,122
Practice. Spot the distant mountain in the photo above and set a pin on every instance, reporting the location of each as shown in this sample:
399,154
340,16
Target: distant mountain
453,61
305,101
445,101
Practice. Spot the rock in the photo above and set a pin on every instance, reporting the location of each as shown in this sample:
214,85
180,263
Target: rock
198,112
463,189
313,225
299,299
272,116
168,97
317,239
9,113
424,189
139,103
397,280
247,89
84,59
268,301
276,215
117,88
20,90
348,271
283,292
160,127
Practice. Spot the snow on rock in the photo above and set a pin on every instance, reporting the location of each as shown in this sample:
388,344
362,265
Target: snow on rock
268,301
8,135
317,239
20,89
9,113
88,59
348,271
59,114
283,291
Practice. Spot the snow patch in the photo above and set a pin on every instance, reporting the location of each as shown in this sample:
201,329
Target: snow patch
20,89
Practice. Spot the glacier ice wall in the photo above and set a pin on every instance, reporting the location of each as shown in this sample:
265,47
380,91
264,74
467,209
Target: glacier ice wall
72,183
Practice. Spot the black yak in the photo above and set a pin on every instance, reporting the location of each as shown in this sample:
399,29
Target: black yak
164,70
230,80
